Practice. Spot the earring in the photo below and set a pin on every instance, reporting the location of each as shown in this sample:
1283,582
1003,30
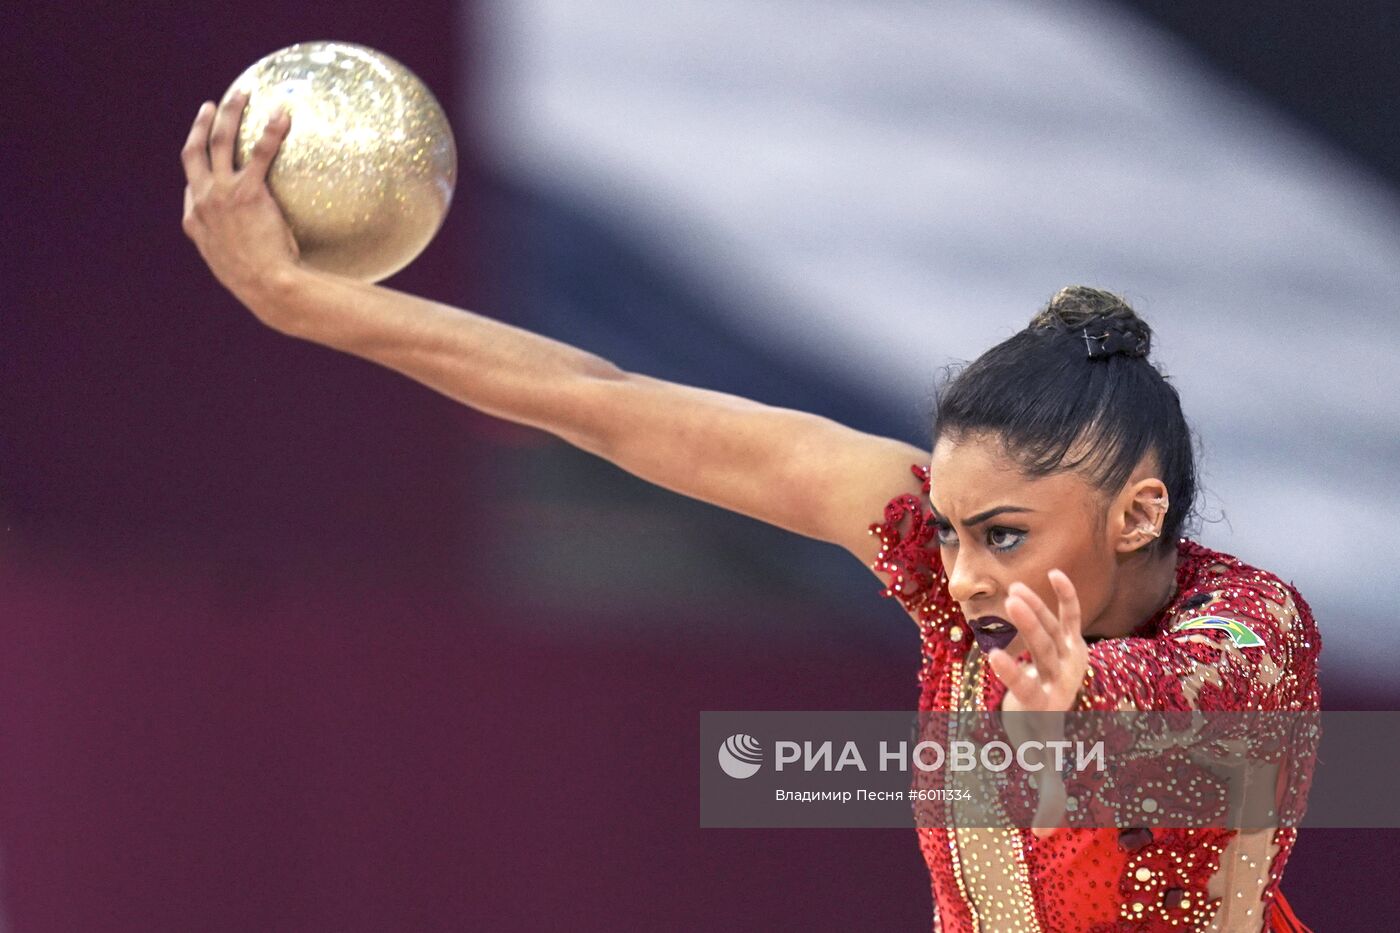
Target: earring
1159,505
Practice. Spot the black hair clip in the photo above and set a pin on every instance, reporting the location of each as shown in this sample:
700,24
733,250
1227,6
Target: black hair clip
1116,339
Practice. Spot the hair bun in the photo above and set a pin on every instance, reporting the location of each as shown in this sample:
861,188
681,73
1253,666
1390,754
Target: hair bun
1103,321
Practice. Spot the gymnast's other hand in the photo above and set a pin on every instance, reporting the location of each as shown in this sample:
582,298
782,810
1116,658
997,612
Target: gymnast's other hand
1059,655
229,213
1048,684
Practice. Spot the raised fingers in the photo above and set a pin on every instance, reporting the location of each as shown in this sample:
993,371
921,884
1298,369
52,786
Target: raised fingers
225,131
1048,620
265,150
195,154
1031,625
1070,619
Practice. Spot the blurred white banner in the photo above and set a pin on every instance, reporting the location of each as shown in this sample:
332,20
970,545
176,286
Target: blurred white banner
888,185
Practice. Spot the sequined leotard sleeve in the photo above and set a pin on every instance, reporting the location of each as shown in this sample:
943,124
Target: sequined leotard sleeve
1232,638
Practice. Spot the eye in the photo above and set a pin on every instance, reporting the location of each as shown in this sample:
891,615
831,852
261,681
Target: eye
943,533
998,538
1005,539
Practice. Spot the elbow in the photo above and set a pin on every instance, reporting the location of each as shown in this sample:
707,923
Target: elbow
596,367
597,408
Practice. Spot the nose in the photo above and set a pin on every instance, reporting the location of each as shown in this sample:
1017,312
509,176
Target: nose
966,580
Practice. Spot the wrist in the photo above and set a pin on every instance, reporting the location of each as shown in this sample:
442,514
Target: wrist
270,295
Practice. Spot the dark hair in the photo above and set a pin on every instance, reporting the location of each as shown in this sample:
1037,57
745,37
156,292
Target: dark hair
1059,386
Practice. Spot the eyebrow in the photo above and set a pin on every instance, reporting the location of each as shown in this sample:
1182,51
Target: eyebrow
981,517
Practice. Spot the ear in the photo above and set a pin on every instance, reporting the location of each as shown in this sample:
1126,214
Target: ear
1138,514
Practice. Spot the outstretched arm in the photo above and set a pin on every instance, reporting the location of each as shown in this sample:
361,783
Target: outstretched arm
799,471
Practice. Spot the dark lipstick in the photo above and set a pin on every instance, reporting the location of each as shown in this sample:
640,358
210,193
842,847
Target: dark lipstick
992,632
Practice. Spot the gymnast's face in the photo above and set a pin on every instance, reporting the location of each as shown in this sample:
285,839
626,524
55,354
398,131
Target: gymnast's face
994,526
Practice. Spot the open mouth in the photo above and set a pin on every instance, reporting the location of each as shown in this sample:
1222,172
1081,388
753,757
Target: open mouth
992,632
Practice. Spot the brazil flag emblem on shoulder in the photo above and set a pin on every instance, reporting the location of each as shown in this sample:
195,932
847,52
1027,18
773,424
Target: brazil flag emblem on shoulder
1242,635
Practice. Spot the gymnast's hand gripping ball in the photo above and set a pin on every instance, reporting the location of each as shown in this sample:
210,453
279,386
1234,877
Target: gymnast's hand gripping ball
366,172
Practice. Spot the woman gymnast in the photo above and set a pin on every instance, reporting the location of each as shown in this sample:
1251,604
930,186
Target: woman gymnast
1038,545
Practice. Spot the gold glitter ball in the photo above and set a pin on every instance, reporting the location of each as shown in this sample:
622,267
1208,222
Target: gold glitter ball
367,170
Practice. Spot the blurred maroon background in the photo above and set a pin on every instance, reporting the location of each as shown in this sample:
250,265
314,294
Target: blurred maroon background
241,685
